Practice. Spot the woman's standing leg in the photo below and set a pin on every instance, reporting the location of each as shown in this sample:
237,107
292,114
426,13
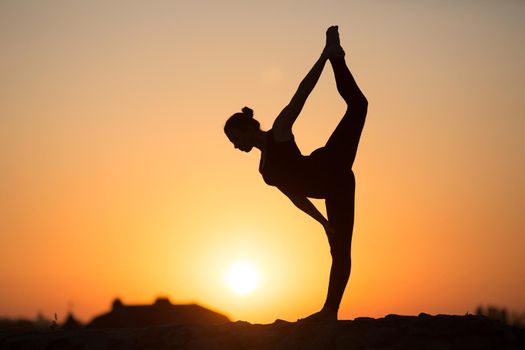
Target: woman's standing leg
340,210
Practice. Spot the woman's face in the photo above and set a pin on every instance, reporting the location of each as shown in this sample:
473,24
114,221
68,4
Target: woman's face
240,139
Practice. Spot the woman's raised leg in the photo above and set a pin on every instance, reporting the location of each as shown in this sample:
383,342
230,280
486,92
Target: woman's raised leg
344,140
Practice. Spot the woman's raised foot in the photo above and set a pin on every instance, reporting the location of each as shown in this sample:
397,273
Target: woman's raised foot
332,36
333,47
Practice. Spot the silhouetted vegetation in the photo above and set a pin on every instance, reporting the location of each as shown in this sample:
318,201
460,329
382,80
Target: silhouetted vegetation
71,323
39,324
54,323
513,318
24,325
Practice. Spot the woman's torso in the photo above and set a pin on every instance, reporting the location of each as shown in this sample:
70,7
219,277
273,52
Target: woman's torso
282,165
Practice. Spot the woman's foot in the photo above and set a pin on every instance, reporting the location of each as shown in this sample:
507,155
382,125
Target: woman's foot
333,47
332,36
325,315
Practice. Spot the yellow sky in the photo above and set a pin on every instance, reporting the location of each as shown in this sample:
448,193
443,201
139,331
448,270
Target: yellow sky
117,180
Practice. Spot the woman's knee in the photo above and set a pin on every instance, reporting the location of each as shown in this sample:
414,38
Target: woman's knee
340,252
353,96
357,106
363,102
342,262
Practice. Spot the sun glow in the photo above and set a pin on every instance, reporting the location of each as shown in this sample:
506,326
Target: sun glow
243,278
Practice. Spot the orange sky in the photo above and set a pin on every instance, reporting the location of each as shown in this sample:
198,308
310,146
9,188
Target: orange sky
117,180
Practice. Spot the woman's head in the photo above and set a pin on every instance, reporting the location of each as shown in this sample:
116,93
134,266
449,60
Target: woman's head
241,128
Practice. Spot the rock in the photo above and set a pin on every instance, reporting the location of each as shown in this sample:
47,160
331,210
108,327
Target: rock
391,332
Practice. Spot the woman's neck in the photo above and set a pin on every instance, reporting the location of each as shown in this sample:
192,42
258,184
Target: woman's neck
259,139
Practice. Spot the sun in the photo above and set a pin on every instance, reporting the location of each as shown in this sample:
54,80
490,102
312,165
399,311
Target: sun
243,278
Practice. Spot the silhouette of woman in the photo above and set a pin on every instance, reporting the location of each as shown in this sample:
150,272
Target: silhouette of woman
326,173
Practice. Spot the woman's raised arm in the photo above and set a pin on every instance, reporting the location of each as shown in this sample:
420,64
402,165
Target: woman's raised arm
282,126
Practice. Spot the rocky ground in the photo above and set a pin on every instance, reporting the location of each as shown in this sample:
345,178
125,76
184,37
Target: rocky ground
391,332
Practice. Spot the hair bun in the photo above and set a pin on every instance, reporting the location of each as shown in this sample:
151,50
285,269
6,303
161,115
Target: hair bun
247,111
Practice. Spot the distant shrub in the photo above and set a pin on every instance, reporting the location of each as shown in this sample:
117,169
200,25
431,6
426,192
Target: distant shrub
516,319
54,323
22,325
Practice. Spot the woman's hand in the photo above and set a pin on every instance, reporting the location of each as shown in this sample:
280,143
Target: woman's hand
333,51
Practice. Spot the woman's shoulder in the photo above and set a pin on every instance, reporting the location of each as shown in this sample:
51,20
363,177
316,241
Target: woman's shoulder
281,136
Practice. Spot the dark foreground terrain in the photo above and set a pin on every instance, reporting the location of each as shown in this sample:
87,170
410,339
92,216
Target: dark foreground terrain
391,332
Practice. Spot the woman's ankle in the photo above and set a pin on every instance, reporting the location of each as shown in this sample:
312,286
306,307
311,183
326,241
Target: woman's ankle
329,309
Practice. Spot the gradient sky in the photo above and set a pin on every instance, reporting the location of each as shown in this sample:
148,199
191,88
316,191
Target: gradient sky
116,179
